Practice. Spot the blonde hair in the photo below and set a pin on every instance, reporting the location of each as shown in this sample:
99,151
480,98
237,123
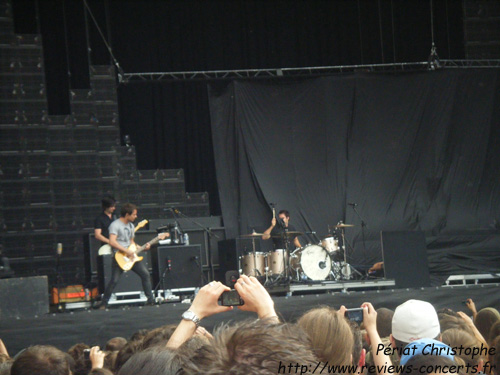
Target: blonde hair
455,337
330,334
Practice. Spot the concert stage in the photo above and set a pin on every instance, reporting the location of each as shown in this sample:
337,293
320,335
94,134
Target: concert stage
95,327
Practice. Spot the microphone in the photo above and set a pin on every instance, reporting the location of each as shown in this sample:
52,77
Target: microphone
352,204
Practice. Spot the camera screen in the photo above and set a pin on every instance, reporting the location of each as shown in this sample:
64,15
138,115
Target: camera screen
355,315
231,298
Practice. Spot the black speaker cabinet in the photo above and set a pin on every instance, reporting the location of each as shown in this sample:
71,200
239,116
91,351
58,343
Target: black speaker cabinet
405,258
228,258
129,281
176,267
24,297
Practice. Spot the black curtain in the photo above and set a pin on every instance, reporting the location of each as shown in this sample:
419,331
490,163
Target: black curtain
413,151
169,122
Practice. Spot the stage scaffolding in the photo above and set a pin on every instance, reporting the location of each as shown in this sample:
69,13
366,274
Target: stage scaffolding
306,71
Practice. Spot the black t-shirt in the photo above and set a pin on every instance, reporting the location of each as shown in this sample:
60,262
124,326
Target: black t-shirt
278,241
103,222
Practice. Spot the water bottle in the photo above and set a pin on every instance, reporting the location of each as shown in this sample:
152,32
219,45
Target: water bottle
186,239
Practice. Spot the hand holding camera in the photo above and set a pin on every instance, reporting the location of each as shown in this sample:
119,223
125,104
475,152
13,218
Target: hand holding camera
255,297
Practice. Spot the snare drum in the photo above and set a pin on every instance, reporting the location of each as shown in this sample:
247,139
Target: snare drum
254,266
311,260
277,261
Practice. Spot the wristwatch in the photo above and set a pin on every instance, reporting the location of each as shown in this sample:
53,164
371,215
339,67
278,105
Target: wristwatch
189,315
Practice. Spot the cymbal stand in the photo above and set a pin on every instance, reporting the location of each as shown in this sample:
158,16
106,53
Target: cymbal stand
345,265
286,241
363,225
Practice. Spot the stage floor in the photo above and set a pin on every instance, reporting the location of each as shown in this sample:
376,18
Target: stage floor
95,327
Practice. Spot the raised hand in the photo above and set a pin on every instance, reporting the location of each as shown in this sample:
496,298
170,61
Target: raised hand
255,296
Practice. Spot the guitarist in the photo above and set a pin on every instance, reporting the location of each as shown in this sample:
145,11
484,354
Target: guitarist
121,236
104,220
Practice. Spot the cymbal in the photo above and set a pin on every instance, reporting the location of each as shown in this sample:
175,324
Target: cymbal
288,234
343,226
254,234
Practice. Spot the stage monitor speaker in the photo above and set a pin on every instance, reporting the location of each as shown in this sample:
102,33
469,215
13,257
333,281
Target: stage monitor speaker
24,297
176,267
405,258
129,281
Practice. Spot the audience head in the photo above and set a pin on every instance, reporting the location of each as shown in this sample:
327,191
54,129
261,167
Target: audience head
152,361
41,360
330,334
455,338
251,347
485,319
158,336
494,333
384,321
116,343
414,320
81,364
126,352
5,364
139,335
431,364
495,356
426,347
101,371
447,321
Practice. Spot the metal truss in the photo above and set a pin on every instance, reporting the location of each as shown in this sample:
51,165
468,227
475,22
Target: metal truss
303,72
464,64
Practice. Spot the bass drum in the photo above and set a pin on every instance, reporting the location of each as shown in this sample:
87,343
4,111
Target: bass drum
313,261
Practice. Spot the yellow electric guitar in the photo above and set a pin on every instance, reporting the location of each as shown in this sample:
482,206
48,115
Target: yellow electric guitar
106,249
126,262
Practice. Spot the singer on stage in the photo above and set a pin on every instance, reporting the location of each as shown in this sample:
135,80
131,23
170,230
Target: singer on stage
277,228
121,236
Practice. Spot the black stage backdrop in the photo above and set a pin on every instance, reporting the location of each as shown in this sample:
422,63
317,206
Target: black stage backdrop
414,151
169,122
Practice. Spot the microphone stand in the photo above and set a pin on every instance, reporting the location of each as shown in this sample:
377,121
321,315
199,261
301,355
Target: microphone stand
363,225
210,234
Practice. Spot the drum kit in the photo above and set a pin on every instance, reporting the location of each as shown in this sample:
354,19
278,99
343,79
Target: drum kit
314,262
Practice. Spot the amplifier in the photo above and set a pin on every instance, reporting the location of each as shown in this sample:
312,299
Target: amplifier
72,293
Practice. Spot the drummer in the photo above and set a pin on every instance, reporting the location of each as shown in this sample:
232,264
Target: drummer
277,229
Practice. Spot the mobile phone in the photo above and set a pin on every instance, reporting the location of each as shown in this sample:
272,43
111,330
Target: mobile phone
86,353
356,314
231,298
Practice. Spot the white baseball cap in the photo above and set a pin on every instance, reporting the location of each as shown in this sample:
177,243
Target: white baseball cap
415,320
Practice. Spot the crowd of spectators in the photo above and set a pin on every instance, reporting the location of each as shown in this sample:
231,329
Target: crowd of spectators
412,339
